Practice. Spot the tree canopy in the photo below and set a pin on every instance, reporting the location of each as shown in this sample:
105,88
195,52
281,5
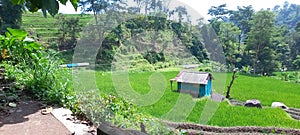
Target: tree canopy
47,6
264,40
10,15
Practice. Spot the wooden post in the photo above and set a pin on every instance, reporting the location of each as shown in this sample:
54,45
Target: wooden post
171,85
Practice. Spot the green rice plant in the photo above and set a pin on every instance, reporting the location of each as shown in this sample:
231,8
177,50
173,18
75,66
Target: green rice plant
265,89
228,115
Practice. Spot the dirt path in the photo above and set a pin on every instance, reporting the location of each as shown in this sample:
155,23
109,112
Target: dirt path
26,119
194,129
294,113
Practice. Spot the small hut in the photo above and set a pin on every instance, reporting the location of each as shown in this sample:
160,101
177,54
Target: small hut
198,84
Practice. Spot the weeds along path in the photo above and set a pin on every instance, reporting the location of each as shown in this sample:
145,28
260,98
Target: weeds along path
200,129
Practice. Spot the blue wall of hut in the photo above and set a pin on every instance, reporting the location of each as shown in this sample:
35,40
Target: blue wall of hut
203,90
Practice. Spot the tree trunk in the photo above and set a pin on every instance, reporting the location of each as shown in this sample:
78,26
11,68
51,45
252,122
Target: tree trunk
231,83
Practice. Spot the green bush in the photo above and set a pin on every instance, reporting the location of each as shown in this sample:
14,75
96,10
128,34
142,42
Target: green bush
291,76
206,69
132,63
154,57
161,65
119,112
36,69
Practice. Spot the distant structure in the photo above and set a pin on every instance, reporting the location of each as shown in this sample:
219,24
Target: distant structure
198,84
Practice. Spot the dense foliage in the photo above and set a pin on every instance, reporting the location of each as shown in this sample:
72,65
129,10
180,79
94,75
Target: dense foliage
265,40
10,15
68,30
47,6
259,45
35,69
287,14
121,36
120,112
232,27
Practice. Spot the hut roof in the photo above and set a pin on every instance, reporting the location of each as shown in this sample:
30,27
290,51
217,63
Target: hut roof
192,77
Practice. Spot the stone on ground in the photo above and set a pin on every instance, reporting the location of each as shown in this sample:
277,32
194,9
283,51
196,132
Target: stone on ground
279,105
253,103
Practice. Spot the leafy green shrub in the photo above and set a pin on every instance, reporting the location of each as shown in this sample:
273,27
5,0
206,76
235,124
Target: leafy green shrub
132,63
119,112
158,65
207,70
153,56
161,65
291,76
36,69
284,76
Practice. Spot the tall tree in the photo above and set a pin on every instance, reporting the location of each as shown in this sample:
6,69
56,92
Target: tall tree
152,6
68,32
181,11
288,15
219,12
106,17
294,43
280,44
94,6
241,18
140,4
259,44
296,62
229,35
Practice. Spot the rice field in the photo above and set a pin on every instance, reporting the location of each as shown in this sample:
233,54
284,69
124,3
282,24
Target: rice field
171,105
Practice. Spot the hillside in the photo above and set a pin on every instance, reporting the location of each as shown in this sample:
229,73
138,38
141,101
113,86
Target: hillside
170,42
47,28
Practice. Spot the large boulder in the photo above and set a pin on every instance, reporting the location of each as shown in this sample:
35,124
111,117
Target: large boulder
253,103
279,105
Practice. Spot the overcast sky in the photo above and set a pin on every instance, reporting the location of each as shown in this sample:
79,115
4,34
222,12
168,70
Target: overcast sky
202,6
